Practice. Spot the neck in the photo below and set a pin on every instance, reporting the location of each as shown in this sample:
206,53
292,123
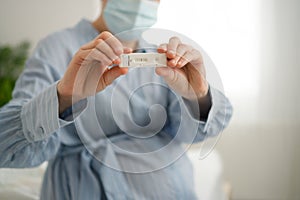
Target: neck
100,26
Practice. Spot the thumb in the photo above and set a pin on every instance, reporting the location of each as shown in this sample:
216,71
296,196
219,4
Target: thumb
109,76
175,79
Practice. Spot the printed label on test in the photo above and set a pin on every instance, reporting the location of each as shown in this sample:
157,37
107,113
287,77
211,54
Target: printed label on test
143,60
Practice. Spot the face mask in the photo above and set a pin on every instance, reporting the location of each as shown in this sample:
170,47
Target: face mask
123,15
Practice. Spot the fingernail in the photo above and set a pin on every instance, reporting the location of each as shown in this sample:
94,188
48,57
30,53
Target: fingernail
174,62
119,50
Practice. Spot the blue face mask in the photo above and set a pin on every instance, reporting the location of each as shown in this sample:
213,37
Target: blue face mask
123,15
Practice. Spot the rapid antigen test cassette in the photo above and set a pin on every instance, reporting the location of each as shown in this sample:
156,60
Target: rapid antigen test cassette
143,60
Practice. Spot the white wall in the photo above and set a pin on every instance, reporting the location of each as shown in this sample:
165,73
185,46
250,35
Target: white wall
261,158
34,19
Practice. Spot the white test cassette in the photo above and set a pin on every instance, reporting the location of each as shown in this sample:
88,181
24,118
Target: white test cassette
143,60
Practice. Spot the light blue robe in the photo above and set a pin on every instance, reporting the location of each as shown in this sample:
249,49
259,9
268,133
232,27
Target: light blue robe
32,132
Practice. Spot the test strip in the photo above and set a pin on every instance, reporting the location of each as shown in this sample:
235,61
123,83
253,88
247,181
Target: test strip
143,60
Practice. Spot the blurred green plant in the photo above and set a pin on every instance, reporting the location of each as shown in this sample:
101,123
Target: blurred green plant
12,60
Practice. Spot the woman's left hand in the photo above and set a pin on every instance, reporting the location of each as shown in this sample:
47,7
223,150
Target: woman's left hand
185,72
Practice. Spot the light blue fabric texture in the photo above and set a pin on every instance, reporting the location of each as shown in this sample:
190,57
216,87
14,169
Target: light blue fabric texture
32,132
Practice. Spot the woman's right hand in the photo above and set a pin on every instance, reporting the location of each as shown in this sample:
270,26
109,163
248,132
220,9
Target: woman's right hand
88,73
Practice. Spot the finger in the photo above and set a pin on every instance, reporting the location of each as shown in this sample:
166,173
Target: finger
90,55
180,51
106,50
92,44
113,42
82,57
186,58
127,50
89,45
109,76
97,55
172,47
162,48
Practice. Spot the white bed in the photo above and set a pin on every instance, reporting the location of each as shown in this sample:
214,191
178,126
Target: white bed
24,184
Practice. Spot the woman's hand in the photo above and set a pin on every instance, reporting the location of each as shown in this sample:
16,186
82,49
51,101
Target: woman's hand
185,73
87,73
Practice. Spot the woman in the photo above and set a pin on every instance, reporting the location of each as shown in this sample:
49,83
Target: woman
94,150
